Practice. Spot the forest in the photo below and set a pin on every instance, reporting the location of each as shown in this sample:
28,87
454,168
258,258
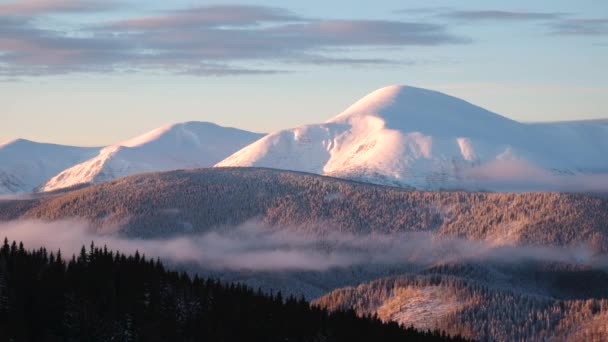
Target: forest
194,201
486,310
101,295
485,299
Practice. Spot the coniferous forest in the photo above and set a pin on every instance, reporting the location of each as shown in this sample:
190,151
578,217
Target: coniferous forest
179,202
101,295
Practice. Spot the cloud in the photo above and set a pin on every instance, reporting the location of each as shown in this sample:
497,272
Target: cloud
204,40
326,60
519,175
18,196
29,7
219,70
206,16
256,247
580,27
500,15
31,51
557,23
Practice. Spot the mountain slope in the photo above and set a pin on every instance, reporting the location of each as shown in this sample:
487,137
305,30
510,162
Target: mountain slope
107,296
177,146
25,164
460,304
409,136
191,201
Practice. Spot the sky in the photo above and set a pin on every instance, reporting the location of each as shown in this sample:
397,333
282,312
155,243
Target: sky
96,72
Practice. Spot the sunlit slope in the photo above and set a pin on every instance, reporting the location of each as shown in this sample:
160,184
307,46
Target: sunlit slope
177,146
160,204
413,137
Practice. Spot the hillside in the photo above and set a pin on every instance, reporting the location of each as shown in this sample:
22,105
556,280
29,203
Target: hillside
483,265
176,146
474,300
189,201
104,296
413,137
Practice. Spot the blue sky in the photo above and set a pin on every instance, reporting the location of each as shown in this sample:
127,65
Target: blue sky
95,72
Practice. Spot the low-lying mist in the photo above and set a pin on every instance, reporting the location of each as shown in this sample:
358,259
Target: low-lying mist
258,247
521,176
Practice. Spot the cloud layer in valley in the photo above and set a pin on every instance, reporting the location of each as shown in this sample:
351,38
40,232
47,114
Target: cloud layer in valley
253,246
521,176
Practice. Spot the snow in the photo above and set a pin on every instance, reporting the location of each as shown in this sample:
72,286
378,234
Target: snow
407,136
396,135
176,146
420,307
25,164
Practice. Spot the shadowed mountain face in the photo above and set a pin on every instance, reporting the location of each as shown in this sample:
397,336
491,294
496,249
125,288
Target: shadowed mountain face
26,164
177,202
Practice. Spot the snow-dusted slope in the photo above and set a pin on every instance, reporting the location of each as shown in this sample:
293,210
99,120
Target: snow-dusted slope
26,164
416,137
177,146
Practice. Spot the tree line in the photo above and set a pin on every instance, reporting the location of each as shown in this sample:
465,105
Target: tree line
101,295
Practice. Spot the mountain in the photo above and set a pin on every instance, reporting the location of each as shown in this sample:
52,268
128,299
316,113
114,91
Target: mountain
489,266
25,164
412,137
176,146
195,201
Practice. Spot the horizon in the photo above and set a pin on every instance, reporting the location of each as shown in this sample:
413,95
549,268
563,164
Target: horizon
169,124
95,73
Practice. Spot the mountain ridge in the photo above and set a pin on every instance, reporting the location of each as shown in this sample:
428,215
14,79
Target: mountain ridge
175,146
198,200
25,164
414,137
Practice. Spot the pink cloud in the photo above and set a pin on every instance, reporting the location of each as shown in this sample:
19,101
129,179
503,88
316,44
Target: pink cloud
29,7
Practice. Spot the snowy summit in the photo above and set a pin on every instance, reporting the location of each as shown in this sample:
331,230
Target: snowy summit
413,137
176,146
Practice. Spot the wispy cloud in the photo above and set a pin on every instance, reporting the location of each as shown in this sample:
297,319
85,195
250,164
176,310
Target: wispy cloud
581,27
519,175
556,23
500,15
29,7
219,70
204,40
256,247
207,16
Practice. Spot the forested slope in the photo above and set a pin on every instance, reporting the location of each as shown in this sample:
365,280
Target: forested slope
161,204
106,296
462,305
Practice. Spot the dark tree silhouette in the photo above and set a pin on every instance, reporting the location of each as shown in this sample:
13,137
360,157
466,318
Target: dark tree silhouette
100,295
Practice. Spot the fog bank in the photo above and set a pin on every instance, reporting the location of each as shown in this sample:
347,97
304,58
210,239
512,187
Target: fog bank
255,246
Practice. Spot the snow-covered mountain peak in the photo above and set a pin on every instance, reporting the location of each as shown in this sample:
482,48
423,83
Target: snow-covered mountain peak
408,136
175,146
426,111
375,103
17,143
179,133
8,142
24,164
